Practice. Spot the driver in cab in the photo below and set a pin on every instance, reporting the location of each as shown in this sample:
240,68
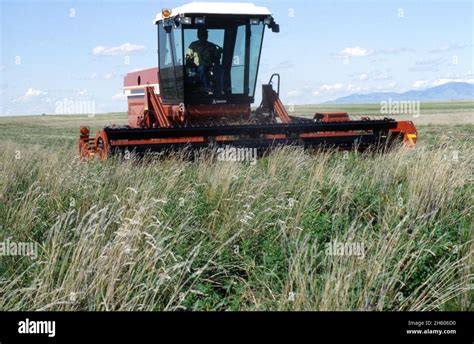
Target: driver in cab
205,56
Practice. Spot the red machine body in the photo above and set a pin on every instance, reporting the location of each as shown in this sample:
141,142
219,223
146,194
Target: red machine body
135,84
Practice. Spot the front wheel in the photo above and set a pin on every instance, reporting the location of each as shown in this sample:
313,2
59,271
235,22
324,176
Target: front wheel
102,146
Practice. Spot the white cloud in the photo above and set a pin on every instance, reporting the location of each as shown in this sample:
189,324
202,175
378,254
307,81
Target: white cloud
331,88
328,89
124,49
31,93
352,88
337,89
372,75
420,84
448,47
390,87
354,52
394,51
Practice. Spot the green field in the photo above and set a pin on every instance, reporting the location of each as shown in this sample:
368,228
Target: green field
172,234
427,108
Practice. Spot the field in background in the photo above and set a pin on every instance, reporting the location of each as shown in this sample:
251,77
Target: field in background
207,235
63,130
434,113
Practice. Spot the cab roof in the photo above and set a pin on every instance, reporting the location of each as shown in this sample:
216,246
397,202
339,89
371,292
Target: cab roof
216,8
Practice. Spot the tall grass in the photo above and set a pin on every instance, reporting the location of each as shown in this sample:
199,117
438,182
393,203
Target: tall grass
205,235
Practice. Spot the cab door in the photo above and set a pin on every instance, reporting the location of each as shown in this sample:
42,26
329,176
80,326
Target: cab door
170,62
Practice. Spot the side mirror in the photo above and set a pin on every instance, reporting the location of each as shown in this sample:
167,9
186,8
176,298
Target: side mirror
272,24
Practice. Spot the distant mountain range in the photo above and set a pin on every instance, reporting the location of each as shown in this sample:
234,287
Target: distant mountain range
448,91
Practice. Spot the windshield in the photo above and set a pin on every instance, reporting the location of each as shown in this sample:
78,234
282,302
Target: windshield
221,57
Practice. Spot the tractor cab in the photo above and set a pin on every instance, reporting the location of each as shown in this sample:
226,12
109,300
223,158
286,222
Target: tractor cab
209,53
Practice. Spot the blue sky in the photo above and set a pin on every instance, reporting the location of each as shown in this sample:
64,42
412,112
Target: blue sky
52,51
